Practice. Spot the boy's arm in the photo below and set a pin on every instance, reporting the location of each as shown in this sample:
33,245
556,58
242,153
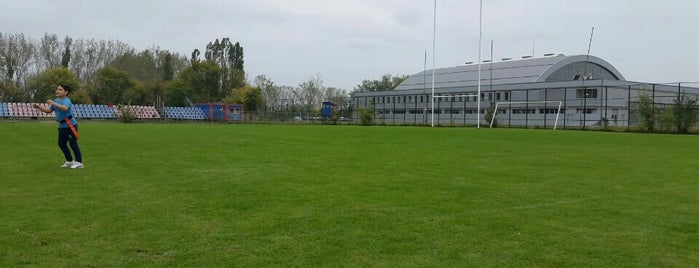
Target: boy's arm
59,106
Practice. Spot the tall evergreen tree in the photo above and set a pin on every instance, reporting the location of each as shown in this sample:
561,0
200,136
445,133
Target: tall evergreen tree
168,70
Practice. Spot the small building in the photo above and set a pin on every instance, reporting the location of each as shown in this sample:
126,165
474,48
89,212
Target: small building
223,112
326,110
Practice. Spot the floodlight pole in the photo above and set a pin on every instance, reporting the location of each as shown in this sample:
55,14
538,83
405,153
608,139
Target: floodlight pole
480,61
434,35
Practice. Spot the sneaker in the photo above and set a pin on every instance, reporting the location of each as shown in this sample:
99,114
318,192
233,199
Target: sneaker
76,164
67,164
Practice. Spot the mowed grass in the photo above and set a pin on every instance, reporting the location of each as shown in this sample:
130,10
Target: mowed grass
201,195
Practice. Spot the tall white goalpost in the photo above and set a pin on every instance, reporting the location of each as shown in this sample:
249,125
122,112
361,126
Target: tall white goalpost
497,104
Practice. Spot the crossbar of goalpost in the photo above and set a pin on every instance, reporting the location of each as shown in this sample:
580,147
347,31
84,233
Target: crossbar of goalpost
555,124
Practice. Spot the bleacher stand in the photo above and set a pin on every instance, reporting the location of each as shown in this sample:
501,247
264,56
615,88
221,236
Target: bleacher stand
93,111
139,111
184,113
102,111
26,110
4,112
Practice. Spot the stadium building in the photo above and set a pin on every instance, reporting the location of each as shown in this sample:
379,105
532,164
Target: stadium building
553,90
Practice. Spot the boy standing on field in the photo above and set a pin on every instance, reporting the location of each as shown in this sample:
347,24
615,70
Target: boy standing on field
67,126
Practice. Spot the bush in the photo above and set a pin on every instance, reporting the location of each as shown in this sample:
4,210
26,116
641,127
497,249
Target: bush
647,110
366,116
685,113
666,120
127,114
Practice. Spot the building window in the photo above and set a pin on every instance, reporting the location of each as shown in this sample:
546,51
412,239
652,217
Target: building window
587,93
549,111
524,111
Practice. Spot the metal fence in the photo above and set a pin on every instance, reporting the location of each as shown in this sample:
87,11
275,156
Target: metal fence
613,106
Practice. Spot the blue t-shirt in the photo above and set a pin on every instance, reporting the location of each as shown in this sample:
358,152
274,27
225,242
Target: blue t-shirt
60,115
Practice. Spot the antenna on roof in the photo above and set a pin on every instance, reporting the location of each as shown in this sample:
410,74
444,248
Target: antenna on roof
587,57
585,77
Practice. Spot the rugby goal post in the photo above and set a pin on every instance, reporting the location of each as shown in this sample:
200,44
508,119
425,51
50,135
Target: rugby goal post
497,104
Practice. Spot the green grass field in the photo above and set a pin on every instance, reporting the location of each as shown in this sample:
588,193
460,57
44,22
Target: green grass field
201,195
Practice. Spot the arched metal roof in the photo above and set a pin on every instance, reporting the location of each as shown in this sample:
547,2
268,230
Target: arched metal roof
517,71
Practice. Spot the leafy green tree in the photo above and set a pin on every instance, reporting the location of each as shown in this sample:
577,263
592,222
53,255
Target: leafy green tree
229,58
386,83
647,110
43,86
111,85
176,92
685,113
145,92
251,97
254,98
140,66
198,82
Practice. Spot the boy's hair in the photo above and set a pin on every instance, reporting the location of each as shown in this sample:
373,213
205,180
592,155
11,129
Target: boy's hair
66,88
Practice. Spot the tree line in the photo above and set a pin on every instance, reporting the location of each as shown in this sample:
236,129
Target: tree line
113,72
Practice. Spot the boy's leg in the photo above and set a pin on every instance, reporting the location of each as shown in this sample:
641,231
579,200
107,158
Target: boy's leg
62,143
76,149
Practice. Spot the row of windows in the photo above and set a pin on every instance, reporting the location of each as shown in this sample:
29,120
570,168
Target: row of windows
474,111
587,93
423,98
413,111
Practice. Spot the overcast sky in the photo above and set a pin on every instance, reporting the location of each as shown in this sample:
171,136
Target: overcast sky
347,41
